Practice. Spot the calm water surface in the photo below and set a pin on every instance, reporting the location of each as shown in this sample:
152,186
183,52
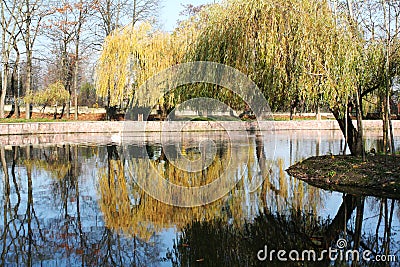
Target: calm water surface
83,204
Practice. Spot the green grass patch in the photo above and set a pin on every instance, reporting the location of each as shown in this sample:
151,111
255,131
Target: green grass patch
22,120
211,118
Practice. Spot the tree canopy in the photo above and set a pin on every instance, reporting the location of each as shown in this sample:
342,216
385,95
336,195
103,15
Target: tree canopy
292,48
54,94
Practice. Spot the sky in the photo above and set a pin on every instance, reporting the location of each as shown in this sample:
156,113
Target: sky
169,14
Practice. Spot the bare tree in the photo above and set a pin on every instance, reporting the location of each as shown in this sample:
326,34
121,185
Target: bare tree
64,29
111,14
83,14
29,24
9,33
144,9
60,30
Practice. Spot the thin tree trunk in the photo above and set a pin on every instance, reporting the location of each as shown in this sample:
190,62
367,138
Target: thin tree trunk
4,84
14,90
342,216
360,135
29,207
62,111
389,122
76,69
388,229
55,113
28,81
17,108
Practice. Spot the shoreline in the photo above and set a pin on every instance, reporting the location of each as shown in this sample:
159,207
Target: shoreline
111,127
114,132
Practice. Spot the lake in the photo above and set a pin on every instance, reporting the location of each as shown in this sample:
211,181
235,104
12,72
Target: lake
186,199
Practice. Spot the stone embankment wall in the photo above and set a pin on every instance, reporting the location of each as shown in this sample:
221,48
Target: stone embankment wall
155,126
63,132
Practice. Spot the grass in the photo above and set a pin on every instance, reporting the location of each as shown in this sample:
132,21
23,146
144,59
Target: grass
211,118
22,120
298,118
378,176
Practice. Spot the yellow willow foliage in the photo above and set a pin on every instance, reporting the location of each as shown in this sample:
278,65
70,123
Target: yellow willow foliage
288,47
279,191
54,94
282,179
314,199
115,202
129,57
292,48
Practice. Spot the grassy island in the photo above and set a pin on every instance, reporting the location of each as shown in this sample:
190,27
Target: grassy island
379,175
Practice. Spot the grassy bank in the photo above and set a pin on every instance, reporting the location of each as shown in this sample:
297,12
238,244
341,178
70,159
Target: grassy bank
378,176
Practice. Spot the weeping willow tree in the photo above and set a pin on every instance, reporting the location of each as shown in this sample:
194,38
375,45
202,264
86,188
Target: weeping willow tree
131,56
288,48
295,51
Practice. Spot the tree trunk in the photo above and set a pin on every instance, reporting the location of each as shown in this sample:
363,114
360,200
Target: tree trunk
14,92
385,125
28,81
62,111
4,83
359,221
76,67
360,135
354,138
55,113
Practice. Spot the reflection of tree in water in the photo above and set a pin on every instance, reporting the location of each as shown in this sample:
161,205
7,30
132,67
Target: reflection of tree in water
20,218
115,204
31,235
68,234
128,209
215,243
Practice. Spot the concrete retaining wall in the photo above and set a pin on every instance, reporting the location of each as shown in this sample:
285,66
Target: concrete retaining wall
109,127
106,132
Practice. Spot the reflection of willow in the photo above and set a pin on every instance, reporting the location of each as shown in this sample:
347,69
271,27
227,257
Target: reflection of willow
115,202
29,238
214,244
129,209
222,170
279,191
134,212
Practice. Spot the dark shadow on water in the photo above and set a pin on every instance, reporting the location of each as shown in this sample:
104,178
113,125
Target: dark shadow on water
256,243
